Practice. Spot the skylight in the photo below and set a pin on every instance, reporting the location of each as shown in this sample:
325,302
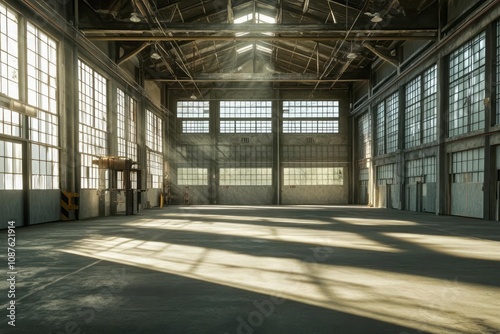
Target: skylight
261,18
263,49
254,18
244,18
244,49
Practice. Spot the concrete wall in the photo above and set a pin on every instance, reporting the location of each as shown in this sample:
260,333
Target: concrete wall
395,202
411,197
458,7
44,206
153,92
153,196
12,207
251,195
429,191
381,197
216,150
89,204
410,48
363,194
423,200
382,71
467,199
314,195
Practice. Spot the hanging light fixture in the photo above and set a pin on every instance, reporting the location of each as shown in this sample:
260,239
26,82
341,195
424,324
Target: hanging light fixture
155,54
376,18
134,17
351,54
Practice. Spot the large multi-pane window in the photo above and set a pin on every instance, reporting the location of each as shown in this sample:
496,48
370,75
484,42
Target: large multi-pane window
42,93
468,166
498,74
392,110
10,121
364,174
245,177
9,74
11,166
126,126
386,123
194,116
313,176
421,109
364,135
192,176
421,170
429,105
126,111
380,129
93,124
245,117
413,112
154,144
310,116
385,174
467,87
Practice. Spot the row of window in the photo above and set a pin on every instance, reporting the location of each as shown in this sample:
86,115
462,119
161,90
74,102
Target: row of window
154,145
297,176
40,75
421,170
466,166
256,116
93,132
466,102
386,123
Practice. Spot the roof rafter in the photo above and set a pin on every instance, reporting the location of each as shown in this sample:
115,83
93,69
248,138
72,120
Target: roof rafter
264,77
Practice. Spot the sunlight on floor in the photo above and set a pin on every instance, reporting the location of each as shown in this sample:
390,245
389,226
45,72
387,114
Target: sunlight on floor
419,302
466,247
375,222
192,216
275,233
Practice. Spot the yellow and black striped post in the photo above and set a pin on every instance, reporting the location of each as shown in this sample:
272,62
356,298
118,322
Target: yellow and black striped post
68,204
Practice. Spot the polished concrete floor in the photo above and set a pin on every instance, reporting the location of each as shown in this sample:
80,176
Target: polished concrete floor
250,270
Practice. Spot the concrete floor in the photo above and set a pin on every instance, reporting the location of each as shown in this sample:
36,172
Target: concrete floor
250,270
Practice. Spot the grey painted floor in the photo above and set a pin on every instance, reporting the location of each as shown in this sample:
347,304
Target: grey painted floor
290,269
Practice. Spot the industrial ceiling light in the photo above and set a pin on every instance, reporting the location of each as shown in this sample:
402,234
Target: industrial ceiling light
351,55
376,17
193,96
134,17
155,54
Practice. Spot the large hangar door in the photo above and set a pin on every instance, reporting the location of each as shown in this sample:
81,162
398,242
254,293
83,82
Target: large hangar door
364,178
11,183
192,168
314,154
311,175
245,153
245,171
192,174
467,176
260,152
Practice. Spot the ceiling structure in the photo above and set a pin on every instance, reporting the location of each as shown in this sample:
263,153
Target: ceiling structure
199,44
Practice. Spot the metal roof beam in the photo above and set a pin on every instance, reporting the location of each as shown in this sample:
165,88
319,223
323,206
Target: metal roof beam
298,37
288,28
264,77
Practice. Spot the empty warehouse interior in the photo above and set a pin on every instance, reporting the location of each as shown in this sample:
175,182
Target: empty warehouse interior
250,166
